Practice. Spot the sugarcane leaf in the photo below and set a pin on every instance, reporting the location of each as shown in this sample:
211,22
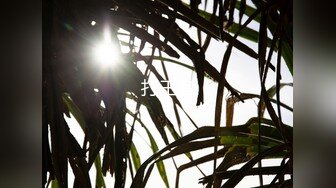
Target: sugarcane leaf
135,156
240,174
254,171
202,132
100,182
287,54
73,108
242,8
160,166
246,96
270,93
54,183
188,147
149,171
75,111
200,160
236,140
272,90
144,35
220,89
248,10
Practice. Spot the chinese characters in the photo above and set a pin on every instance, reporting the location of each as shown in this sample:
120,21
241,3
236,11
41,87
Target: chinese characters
165,83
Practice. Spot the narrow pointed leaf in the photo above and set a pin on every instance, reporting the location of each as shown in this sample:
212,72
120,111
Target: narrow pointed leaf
160,165
135,156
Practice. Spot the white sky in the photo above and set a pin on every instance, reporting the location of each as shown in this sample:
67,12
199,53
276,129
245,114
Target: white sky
242,74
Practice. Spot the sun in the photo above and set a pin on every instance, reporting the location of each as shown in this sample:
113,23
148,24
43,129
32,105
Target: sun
105,52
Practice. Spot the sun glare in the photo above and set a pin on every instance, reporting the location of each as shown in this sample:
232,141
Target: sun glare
106,53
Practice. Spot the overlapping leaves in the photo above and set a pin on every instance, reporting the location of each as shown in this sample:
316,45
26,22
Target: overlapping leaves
72,85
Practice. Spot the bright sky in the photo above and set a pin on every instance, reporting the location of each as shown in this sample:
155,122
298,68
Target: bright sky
242,74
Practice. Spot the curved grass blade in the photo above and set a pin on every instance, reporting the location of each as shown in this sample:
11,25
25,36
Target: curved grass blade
202,132
220,89
240,174
198,161
154,147
188,147
246,96
160,165
135,157
149,171
254,171
270,137
270,93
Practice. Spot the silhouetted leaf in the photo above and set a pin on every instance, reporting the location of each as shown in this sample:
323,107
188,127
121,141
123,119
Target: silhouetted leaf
270,93
69,80
242,9
200,160
253,171
202,132
188,147
240,174
144,35
80,119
